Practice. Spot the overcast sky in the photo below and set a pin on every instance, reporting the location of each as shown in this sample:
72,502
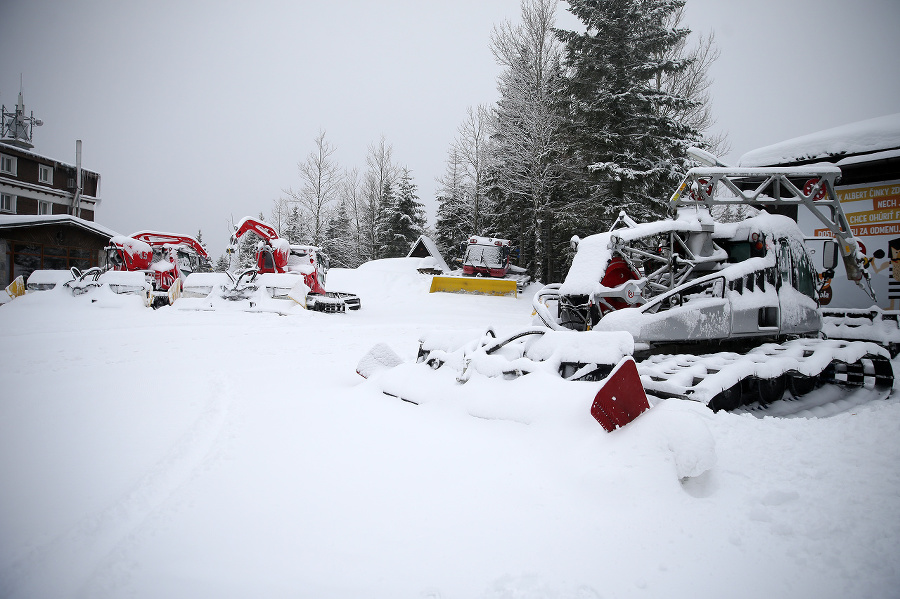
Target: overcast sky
195,112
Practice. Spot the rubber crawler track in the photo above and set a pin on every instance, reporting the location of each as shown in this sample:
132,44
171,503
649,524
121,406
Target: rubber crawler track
729,380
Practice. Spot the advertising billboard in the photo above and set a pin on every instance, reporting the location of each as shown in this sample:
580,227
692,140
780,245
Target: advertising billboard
873,212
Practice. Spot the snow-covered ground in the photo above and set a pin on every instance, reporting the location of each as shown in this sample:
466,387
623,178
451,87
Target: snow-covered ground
197,454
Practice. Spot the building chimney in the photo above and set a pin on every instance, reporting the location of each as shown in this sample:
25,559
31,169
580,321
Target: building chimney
76,197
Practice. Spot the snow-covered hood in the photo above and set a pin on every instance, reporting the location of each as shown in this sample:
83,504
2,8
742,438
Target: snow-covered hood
594,253
132,246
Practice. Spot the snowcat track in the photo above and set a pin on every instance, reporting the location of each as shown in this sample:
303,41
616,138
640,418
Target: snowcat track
879,326
350,300
768,373
330,303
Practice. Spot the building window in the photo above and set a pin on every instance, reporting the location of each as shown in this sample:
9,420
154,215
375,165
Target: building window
44,208
8,164
7,203
45,174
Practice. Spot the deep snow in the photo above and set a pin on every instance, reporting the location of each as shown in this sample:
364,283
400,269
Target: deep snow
210,454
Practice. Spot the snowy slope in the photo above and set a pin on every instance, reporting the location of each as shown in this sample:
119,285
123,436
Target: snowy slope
177,454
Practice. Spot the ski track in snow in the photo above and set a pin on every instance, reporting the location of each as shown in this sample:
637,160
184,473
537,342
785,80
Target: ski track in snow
92,558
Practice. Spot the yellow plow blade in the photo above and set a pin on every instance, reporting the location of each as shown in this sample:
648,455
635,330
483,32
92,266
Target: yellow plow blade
17,287
484,285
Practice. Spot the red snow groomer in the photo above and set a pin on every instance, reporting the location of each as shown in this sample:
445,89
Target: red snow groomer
486,269
486,256
166,259
283,272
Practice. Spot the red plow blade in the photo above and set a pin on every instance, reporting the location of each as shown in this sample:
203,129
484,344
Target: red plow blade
622,397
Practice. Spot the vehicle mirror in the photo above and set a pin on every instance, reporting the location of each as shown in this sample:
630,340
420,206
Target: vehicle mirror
829,255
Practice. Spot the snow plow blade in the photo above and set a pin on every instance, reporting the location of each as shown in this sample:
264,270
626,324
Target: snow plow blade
16,288
483,285
622,397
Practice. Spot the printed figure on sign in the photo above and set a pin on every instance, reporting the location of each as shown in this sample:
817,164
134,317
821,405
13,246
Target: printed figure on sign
893,274
894,282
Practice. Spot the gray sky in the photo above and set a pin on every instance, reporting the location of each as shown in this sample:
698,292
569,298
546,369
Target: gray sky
197,111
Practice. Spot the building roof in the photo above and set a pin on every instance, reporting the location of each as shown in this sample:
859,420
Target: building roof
431,249
7,147
15,221
881,134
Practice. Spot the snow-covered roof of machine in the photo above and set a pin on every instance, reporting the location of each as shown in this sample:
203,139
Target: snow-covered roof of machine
431,249
13,221
881,134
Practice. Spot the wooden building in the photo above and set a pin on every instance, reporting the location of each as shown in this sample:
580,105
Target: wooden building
49,242
46,206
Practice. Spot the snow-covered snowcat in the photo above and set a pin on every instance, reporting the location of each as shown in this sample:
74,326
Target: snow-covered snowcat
486,269
165,259
148,264
285,275
80,282
724,313
721,313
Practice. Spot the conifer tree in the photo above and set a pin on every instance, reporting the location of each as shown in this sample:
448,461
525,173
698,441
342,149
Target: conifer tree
403,218
247,247
384,220
453,224
293,228
411,214
221,264
626,149
339,243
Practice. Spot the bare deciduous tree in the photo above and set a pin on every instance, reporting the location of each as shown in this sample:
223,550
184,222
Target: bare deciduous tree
472,149
380,171
528,146
352,197
320,177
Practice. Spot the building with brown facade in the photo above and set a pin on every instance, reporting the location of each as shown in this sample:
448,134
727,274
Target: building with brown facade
47,207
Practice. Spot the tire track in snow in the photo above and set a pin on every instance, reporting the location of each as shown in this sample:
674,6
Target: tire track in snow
87,559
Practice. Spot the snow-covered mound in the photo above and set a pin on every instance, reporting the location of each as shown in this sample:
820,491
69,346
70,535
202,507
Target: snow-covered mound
163,453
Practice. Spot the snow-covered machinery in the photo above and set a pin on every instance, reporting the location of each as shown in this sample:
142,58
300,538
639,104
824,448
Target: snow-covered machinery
724,313
166,259
88,281
284,275
150,264
486,269
79,282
